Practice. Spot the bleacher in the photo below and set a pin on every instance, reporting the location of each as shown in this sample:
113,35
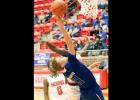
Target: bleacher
48,28
44,5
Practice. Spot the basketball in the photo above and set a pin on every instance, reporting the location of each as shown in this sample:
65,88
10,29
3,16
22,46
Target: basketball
58,7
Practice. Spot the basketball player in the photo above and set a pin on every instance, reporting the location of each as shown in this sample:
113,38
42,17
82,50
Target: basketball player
74,69
54,84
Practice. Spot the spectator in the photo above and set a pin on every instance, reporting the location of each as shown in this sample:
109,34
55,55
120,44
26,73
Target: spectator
72,4
105,15
104,62
36,19
50,35
71,28
105,27
43,37
58,35
80,45
87,23
107,41
106,4
100,32
76,30
43,34
42,17
101,4
94,37
96,29
83,52
101,44
48,16
91,47
67,26
36,43
104,36
102,22
96,22
92,32
98,44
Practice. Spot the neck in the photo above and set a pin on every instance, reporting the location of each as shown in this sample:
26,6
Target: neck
54,74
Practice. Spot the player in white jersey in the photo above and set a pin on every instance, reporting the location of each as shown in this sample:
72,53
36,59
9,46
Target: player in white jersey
55,84
72,87
73,91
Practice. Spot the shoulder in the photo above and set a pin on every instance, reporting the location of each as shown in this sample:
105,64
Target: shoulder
70,55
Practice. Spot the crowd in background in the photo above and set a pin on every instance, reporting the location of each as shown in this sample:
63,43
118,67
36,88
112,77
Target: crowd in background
98,35
45,16
42,18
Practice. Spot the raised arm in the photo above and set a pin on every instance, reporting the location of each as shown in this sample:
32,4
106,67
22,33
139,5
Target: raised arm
54,48
86,45
67,38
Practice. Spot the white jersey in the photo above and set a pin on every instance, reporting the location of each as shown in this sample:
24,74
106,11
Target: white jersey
57,87
73,91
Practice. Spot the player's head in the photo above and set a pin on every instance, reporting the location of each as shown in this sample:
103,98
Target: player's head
56,64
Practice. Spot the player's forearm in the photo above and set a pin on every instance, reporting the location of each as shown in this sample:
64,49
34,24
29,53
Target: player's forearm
51,46
68,40
55,49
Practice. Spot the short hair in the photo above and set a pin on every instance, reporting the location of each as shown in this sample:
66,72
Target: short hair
56,60
51,60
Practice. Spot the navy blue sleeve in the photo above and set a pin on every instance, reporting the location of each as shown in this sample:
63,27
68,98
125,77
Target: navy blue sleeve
71,58
74,62
80,70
